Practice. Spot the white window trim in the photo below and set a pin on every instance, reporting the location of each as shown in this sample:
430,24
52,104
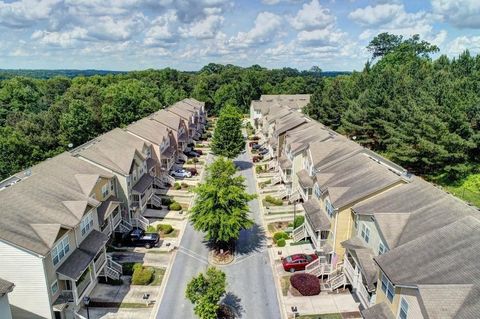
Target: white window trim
380,250
388,285
365,229
55,283
88,226
56,248
403,300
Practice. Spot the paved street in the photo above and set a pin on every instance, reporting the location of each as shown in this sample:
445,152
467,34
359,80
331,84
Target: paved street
251,288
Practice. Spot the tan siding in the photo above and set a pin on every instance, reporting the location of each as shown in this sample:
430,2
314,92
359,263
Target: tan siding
29,298
412,297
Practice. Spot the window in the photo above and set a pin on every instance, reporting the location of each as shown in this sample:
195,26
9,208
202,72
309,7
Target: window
381,248
106,189
60,250
128,181
316,189
387,288
86,224
112,186
355,221
329,208
365,233
403,309
54,287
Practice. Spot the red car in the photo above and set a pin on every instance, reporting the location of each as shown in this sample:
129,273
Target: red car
297,262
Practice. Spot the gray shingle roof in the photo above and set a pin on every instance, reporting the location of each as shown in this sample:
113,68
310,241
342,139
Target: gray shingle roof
168,119
52,199
355,178
315,215
448,301
114,150
143,183
289,122
106,208
332,150
149,129
305,179
5,287
364,256
449,255
379,311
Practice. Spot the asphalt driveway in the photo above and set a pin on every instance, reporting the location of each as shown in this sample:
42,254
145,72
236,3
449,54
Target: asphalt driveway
250,284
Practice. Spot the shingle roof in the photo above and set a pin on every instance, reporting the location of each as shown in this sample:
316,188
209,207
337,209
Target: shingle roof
305,179
168,119
449,255
114,150
149,129
289,122
315,215
293,101
106,208
364,256
354,179
446,301
332,150
182,112
143,183
378,311
5,287
52,199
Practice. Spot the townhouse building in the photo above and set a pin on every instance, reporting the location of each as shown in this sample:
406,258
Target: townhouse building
133,161
406,248
178,126
51,238
191,118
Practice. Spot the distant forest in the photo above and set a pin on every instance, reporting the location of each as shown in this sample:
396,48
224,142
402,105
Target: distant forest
41,113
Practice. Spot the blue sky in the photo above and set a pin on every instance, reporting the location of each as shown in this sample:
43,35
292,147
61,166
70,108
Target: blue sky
187,34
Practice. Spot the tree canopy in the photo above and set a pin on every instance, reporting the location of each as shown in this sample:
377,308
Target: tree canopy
228,139
205,291
221,208
421,113
47,113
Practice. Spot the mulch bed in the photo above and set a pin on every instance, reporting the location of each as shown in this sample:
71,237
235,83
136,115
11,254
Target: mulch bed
225,312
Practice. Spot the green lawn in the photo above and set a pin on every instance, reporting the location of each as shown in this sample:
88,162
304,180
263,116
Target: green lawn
158,276
285,283
467,189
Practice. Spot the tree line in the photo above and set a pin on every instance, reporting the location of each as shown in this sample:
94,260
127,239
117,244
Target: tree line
422,113
40,118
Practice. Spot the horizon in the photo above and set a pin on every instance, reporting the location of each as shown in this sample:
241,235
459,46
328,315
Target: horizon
185,35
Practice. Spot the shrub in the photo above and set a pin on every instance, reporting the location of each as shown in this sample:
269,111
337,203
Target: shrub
190,161
193,171
177,186
128,268
151,229
306,284
175,206
165,228
258,169
184,185
280,235
299,220
142,275
199,145
281,242
274,201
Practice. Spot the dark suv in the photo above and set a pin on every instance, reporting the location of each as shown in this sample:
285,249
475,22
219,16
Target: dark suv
138,237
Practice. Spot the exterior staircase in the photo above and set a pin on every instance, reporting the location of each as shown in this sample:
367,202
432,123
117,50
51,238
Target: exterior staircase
299,233
125,226
319,267
276,179
334,282
156,201
113,269
158,182
142,222
294,197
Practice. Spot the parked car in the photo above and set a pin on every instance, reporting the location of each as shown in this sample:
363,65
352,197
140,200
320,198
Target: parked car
138,237
297,262
252,144
257,158
192,171
191,154
263,151
181,173
199,152
256,146
179,161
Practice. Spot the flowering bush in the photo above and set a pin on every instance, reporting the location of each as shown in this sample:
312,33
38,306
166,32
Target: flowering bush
306,284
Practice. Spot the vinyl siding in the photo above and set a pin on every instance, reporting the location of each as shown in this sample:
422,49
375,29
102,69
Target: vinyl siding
344,226
30,298
412,297
297,166
78,232
375,238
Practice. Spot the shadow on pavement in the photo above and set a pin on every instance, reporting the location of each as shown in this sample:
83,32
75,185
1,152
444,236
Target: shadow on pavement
234,302
243,165
251,240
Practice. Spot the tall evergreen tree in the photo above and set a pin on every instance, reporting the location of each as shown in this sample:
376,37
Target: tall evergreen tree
227,139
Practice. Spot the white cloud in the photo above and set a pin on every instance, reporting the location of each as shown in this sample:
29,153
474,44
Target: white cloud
204,29
460,44
312,16
461,13
116,29
264,30
61,39
25,13
322,37
162,30
375,15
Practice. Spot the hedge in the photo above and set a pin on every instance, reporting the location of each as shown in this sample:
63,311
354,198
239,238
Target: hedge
165,228
128,268
298,221
306,284
175,206
281,242
166,201
274,201
177,186
142,275
151,229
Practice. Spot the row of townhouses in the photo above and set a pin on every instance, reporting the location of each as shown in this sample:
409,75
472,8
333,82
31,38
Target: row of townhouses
406,248
57,217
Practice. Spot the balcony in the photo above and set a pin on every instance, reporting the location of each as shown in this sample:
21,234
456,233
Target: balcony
99,262
82,284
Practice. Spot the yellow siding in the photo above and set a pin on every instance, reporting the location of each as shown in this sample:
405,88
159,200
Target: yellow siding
97,190
344,226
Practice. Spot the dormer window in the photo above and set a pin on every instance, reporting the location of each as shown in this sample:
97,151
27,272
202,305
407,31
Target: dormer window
106,189
86,224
